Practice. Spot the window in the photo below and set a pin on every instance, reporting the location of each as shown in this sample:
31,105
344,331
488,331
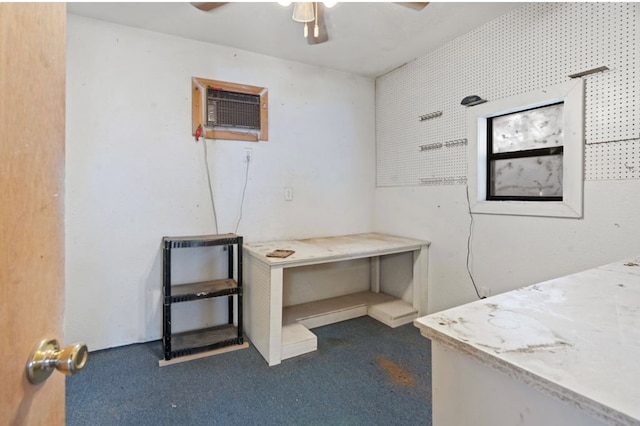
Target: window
229,110
526,153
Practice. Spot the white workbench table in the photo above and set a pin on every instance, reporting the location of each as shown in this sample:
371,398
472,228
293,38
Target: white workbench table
562,352
263,287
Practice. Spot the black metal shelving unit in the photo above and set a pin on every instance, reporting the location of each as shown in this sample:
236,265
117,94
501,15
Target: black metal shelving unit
190,342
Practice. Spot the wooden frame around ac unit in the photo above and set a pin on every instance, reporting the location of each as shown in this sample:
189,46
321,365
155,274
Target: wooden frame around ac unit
198,93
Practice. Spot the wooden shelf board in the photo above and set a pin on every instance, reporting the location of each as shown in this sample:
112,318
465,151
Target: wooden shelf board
162,362
203,337
298,319
313,311
197,238
203,289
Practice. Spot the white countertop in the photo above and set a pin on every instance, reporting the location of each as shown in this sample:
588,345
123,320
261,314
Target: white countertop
576,338
317,250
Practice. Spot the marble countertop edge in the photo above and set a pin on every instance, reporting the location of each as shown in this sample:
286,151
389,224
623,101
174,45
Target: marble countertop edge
523,375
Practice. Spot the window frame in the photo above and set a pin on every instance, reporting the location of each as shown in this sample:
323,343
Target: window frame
518,154
571,94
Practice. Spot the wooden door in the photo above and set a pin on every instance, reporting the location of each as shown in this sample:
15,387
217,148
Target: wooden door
32,114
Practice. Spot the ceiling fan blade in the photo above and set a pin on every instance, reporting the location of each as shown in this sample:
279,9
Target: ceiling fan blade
413,5
322,29
205,7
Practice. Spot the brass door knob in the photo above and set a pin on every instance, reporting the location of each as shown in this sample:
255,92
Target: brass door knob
47,357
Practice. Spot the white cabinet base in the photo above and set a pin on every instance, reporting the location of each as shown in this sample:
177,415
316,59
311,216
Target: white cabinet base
394,313
297,340
267,317
298,319
466,392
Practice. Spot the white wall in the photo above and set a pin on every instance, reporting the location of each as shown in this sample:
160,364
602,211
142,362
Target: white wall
531,47
134,173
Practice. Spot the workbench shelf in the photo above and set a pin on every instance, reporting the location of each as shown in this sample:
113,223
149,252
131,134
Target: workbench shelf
211,338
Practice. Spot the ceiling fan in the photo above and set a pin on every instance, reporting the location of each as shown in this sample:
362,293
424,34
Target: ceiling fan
307,13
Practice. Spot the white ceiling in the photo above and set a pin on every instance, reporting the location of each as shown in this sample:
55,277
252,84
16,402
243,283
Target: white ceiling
368,39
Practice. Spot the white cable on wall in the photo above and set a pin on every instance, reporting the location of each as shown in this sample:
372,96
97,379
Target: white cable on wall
213,203
244,190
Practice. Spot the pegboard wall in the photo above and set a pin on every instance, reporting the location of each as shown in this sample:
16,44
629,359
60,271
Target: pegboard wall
532,47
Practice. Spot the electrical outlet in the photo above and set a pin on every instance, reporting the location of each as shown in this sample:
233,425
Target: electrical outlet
288,194
247,155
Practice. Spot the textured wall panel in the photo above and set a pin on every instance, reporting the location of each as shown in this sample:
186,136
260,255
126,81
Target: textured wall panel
535,46
613,160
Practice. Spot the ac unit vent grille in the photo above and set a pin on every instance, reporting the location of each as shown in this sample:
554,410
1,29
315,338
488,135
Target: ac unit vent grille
232,109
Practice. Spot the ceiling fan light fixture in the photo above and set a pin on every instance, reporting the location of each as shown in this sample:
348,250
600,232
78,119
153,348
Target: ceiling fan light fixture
303,12
284,3
329,4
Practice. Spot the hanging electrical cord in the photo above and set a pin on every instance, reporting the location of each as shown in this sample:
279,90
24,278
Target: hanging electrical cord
475,287
200,134
244,190
213,203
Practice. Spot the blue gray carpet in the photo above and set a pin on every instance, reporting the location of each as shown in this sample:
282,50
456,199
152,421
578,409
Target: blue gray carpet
363,373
